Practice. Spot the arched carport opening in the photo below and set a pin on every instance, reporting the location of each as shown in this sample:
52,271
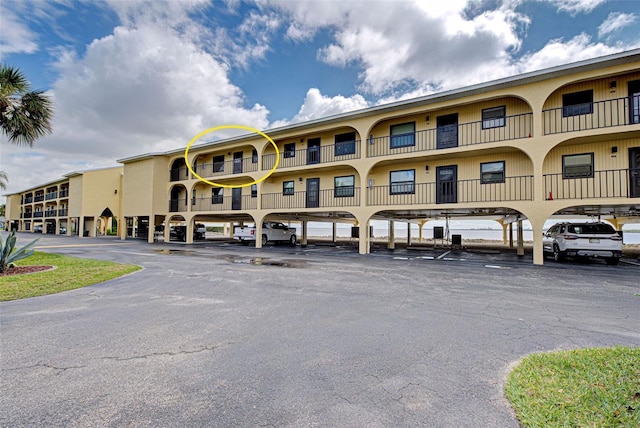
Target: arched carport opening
107,223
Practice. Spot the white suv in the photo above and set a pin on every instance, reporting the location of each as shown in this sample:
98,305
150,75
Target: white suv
598,240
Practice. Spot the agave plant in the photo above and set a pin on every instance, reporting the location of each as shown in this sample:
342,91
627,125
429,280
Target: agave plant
9,254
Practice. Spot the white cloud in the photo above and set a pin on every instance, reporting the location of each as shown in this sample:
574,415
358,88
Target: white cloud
15,36
408,44
574,7
316,105
616,21
148,86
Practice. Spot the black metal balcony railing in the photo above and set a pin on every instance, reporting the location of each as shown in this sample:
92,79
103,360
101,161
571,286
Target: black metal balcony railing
177,205
38,198
600,114
179,174
225,203
64,193
320,199
63,212
316,155
38,214
28,200
50,213
235,166
51,195
518,188
28,215
613,183
515,127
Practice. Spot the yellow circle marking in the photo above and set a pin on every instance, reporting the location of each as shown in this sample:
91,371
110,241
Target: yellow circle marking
229,186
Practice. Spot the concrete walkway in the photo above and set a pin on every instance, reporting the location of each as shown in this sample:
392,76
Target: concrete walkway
232,336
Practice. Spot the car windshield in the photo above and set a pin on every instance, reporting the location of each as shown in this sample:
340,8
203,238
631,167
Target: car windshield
595,229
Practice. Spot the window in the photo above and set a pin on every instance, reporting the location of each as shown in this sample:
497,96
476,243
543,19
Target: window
193,197
577,103
254,190
218,163
254,156
217,195
343,186
402,182
492,172
345,144
493,117
577,166
403,135
287,188
290,150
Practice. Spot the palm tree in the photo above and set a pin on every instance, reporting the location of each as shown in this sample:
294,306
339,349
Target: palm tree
3,180
25,115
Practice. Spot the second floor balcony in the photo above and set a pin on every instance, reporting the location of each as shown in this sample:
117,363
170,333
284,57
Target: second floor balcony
64,193
39,198
612,183
28,214
518,188
28,199
38,214
51,195
51,213
224,203
63,212
453,135
329,198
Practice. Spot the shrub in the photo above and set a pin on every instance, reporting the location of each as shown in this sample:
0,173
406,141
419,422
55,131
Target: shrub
9,254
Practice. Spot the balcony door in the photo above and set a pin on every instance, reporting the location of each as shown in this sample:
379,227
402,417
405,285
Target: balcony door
447,131
313,192
447,184
236,198
313,151
237,162
634,172
634,101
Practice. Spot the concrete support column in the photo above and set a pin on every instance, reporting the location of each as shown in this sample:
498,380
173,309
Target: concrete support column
167,229
303,240
391,242
364,239
420,230
189,231
511,235
152,230
335,232
80,227
538,253
520,250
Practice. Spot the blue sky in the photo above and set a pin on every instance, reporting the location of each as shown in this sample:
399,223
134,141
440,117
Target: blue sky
131,77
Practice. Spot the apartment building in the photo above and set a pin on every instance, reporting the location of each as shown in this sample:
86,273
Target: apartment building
559,142
83,203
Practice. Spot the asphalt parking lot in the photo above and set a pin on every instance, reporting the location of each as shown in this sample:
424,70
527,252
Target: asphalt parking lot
225,335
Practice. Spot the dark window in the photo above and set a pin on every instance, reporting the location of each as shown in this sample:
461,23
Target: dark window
492,172
218,163
402,182
254,156
343,186
403,135
254,190
217,195
577,166
577,103
591,229
287,188
290,150
193,197
345,144
493,117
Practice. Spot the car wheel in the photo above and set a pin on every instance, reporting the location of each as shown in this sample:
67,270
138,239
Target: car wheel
558,255
264,240
293,240
612,261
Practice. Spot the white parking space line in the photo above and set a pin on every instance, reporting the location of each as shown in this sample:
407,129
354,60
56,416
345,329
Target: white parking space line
443,255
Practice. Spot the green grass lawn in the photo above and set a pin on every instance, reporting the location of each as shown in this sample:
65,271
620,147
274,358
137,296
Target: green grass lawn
597,387
71,272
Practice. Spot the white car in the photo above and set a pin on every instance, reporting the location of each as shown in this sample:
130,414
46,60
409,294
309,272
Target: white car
596,240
